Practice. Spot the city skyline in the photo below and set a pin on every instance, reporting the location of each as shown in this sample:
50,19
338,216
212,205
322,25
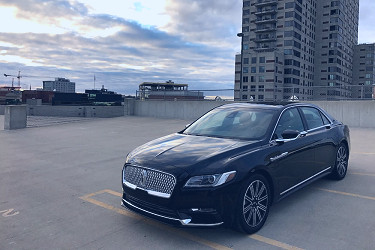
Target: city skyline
124,44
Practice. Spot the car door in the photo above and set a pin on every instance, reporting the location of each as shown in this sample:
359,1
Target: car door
293,160
318,129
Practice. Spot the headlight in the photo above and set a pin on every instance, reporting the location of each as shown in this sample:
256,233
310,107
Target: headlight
210,180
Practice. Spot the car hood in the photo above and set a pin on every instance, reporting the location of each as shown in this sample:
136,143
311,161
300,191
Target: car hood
182,151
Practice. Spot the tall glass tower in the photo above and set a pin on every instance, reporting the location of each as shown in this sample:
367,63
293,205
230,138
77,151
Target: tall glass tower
296,49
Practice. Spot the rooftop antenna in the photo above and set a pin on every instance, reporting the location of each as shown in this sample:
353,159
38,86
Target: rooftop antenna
19,78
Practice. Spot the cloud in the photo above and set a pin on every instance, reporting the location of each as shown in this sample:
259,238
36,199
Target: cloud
46,9
210,22
366,21
121,59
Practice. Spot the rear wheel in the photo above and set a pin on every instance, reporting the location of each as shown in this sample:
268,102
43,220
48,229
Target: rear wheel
253,204
341,164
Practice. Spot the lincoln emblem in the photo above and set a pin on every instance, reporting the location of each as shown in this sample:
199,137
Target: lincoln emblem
143,177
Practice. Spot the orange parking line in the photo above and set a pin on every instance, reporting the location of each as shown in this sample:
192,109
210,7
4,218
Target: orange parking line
175,230
151,222
364,153
348,194
365,174
273,242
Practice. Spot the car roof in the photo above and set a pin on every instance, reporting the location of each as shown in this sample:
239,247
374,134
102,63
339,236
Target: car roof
270,105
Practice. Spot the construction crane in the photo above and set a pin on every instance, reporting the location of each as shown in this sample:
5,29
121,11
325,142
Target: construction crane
19,76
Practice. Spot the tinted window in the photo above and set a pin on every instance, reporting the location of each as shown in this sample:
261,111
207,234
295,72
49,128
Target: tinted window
233,123
325,119
289,120
313,117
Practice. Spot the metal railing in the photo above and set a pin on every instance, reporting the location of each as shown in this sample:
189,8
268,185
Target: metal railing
290,93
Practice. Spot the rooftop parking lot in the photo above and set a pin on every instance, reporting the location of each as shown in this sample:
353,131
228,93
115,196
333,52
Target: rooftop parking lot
60,187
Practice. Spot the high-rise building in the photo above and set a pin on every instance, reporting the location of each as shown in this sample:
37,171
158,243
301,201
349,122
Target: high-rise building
60,85
296,49
364,71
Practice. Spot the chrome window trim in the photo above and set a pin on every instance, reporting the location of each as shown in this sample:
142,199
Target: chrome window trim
317,128
311,177
278,119
301,106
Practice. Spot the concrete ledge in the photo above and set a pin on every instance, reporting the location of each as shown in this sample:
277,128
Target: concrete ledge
76,111
185,110
352,113
15,117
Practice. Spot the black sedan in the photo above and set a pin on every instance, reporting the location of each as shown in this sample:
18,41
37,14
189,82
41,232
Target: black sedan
231,164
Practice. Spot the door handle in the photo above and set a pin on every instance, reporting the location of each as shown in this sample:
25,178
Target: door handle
272,159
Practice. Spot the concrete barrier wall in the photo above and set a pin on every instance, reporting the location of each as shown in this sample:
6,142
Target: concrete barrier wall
76,111
2,109
15,117
352,113
185,110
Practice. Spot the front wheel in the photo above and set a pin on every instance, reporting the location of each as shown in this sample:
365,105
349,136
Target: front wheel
341,164
253,204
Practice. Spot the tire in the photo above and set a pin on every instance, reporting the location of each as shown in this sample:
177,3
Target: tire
253,204
341,163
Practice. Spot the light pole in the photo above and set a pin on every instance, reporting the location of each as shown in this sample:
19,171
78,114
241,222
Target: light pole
241,35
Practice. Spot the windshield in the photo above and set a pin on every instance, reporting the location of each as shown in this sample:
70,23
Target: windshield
250,124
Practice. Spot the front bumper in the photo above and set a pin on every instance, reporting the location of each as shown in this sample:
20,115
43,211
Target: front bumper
177,206
199,217
169,220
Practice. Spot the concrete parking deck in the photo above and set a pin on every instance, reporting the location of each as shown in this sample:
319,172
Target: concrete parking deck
60,187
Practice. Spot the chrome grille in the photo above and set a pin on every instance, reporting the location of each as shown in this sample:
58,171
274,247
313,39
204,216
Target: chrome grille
154,182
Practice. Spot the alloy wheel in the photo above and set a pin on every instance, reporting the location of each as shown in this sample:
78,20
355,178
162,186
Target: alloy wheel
341,160
255,203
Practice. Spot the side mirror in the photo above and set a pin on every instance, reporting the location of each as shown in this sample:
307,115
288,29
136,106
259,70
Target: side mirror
290,134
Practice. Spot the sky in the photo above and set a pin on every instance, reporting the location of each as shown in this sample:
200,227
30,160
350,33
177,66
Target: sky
124,43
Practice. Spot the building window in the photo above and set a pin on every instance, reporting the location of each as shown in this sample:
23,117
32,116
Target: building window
261,88
262,59
261,69
261,78
252,88
244,88
253,69
244,97
246,61
253,79
253,60
245,69
245,79
260,97
368,76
